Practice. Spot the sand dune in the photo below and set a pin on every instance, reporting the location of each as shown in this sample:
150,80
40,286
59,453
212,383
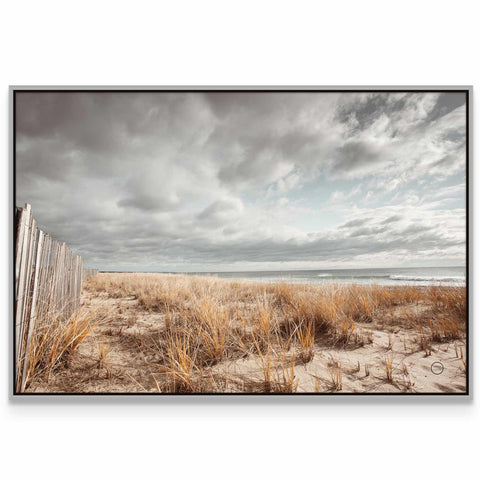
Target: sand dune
183,334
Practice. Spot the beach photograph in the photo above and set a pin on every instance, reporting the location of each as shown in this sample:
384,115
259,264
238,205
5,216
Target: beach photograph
221,241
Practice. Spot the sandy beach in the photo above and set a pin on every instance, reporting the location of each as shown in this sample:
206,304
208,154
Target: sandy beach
193,334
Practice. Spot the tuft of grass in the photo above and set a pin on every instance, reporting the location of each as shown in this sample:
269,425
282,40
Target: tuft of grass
264,325
306,339
344,331
444,330
389,368
103,350
179,363
211,329
335,372
53,342
357,369
464,363
278,372
425,345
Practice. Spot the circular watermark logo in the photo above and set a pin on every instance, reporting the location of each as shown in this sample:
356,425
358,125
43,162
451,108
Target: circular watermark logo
437,368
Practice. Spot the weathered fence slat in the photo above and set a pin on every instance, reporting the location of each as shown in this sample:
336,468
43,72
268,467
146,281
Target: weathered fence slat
48,285
33,306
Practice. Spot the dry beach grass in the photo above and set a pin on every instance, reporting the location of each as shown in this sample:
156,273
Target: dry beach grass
200,334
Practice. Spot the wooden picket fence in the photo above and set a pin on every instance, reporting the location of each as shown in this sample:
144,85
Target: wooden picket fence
48,283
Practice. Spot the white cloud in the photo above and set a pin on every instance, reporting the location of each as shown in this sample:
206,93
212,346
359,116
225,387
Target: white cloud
156,180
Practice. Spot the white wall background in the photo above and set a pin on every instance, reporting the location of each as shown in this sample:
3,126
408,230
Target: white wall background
241,43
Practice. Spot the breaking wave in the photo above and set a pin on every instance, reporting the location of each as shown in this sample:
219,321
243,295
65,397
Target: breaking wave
415,278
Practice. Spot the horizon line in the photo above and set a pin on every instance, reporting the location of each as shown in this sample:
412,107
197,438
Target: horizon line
280,271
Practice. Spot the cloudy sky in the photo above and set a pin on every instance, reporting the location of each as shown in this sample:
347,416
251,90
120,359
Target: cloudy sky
246,181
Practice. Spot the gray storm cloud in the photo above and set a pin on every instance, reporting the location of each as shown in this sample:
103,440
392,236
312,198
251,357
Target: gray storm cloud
173,180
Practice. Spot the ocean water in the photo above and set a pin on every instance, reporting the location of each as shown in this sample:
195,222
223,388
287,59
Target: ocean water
422,276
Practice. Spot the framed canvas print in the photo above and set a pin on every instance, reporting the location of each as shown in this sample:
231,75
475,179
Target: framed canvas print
239,241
